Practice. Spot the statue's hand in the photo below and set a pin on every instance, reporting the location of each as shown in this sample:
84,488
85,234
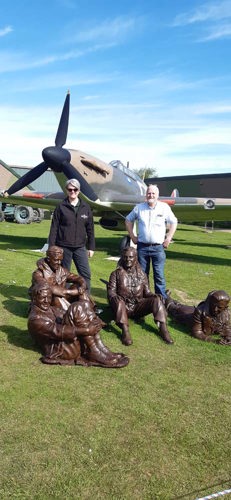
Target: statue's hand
72,292
115,300
95,326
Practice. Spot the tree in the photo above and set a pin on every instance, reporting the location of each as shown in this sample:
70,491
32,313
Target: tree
147,172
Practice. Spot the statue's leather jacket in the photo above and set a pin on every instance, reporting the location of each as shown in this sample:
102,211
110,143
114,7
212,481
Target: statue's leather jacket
59,277
204,323
56,340
56,279
129,285
201,322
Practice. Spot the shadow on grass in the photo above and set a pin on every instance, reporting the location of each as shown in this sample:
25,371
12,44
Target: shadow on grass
19,338
178,327
199,259
99,292
109,244
17,299
144,326
108,318
110,328
21,242
150,328
200,245
112,246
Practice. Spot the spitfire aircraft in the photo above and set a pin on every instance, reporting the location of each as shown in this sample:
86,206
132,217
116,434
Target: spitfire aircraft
111,190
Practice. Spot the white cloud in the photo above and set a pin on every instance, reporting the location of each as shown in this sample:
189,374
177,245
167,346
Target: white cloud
168,82
217,32
211,109
5,31
180,141
19,61
108,31
57,80
214,18
209,11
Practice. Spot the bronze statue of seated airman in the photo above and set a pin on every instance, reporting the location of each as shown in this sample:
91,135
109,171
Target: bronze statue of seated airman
61,281
70,337
129,295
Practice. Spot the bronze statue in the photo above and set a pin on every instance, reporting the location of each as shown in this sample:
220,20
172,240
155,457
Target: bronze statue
210,317
72,338
130,297
50,270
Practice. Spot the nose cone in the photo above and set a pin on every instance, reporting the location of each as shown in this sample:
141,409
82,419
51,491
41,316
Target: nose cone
55,157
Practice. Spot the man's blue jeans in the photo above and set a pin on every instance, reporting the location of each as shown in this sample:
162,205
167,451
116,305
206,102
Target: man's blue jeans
156,255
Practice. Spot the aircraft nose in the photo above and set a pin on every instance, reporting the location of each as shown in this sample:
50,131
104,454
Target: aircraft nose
55,157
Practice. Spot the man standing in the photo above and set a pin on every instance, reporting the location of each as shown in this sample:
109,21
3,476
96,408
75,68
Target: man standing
152,217
72,229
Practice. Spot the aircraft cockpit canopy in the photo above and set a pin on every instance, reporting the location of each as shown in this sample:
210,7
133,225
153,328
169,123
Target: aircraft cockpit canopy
118,164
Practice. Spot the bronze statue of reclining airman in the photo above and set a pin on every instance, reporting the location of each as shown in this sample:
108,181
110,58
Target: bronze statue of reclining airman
210,317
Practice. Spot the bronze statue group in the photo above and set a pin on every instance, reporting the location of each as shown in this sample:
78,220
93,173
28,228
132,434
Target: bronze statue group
63,318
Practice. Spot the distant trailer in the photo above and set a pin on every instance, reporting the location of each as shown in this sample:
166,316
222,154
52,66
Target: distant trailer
201,186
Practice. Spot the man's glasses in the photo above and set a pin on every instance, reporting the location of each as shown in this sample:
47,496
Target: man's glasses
72,189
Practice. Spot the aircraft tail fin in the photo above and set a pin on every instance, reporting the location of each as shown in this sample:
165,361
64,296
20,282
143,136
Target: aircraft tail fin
174,193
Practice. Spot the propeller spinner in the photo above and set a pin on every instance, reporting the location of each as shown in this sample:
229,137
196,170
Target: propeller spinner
57,158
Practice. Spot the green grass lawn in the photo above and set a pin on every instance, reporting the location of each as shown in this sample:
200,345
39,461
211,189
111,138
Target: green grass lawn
157,429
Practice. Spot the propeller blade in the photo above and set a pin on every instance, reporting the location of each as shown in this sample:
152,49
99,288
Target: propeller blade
58,159
71,173
61,135
27,178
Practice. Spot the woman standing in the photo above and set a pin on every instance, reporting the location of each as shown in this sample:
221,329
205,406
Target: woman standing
72,228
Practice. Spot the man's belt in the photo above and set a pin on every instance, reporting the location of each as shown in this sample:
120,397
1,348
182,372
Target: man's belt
149,244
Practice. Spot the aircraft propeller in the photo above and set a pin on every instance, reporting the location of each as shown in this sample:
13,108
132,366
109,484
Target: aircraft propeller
57,158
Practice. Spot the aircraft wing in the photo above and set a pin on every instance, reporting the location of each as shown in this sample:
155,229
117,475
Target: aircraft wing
201,209
37,200
186,209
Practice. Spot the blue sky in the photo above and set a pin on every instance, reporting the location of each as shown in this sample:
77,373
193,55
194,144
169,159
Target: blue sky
150,81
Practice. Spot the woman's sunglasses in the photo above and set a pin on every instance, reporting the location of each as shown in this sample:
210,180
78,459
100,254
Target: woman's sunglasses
72,189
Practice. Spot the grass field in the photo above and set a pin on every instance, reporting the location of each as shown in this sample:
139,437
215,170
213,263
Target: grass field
158,429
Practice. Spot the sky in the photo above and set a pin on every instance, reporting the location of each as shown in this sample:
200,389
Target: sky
150,81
